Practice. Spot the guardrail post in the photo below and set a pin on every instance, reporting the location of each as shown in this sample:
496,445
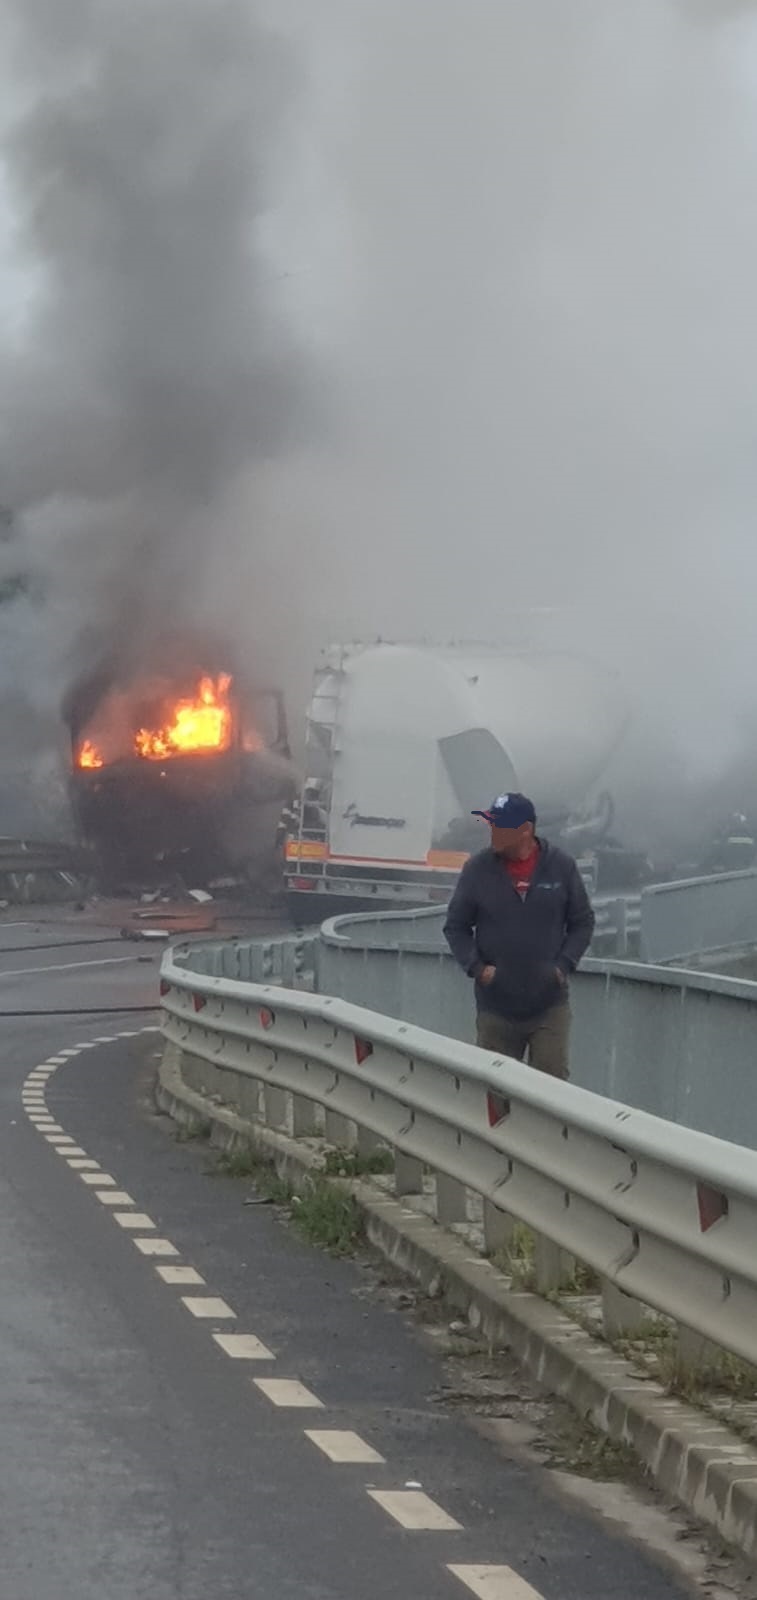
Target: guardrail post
367,1141
408,1174
340,1131
451,1203
552,1265
621,928
288,964
303,1116
697,1353
498,1228
621,1313
275,1106
260,962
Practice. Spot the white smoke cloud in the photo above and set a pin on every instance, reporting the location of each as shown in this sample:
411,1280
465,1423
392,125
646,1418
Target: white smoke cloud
517,246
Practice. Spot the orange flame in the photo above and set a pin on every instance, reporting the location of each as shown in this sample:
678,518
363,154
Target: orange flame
89,756
203,723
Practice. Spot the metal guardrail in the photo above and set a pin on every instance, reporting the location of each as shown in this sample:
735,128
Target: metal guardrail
664,1214
37,872
288,961
698,917
680,1045
38,855
617,926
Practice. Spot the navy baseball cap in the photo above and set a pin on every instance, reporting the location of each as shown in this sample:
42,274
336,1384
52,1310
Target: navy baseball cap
508,811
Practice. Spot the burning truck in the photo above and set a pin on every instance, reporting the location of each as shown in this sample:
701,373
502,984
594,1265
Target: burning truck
181,770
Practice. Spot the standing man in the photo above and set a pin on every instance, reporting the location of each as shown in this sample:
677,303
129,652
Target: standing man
519,922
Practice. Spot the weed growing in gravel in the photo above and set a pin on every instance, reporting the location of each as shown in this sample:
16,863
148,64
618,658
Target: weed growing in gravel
575,1445
328,1216
322,1211
517,1258
656,1346
351,1164
240,1162
189,1131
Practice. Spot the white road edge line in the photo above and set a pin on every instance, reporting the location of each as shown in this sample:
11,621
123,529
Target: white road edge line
69,966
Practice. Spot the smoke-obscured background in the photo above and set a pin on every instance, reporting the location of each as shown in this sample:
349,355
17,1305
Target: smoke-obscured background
377,317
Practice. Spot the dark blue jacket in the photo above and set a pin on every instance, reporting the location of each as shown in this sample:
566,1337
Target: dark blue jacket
488,925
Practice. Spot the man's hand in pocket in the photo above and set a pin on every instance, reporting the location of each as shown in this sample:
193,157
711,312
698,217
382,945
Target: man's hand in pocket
487,976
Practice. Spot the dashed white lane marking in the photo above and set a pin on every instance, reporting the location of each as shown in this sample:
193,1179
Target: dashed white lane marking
176,1274
343,1447
495,1583
414,1509
288,1392
243,1347
208,1306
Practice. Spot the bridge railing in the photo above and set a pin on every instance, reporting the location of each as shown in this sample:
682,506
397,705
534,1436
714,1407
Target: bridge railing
662,1213
287,961
698,917
679,1044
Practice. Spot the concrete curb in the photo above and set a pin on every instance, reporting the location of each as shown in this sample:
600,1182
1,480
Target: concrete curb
693,1459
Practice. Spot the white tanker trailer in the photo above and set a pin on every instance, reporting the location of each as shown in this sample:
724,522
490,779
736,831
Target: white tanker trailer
403,742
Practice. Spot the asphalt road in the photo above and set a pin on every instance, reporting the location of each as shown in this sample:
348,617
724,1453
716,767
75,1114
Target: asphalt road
141,1457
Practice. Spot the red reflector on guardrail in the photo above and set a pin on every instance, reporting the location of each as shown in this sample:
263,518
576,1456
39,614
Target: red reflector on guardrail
199,1002
267,1017
363,1049
165,986
713,1206
497,1108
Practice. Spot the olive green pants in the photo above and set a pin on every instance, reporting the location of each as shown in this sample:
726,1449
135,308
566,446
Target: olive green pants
545,1038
